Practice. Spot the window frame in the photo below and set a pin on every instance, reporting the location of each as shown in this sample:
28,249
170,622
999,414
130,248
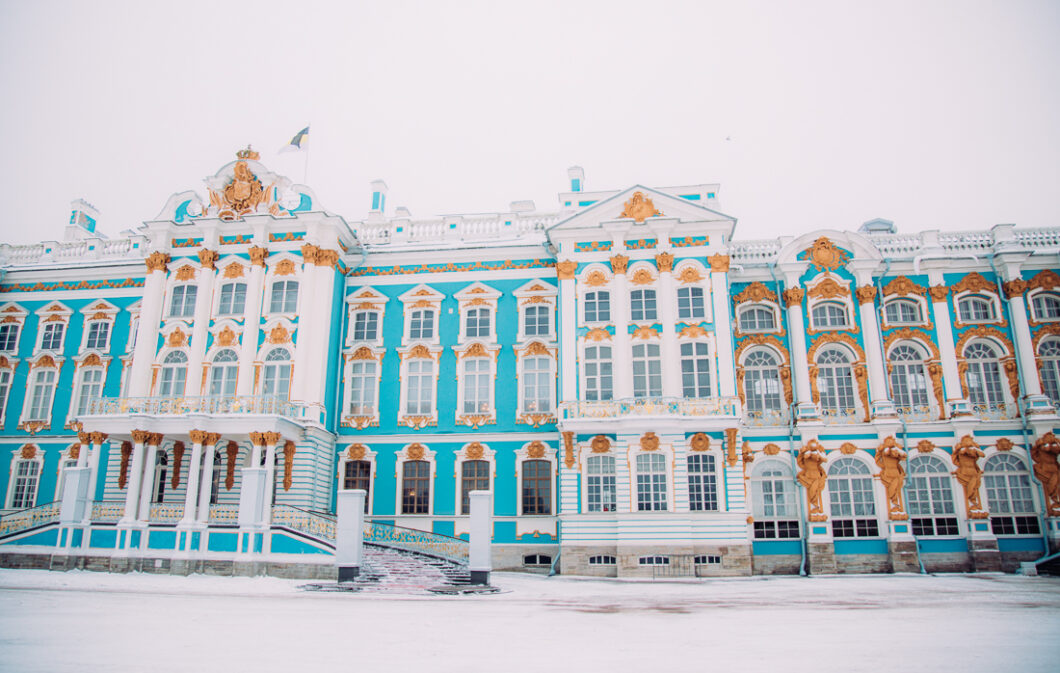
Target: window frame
585,361
29,402
598,481
1032,301
751,307
656,483
187,312
536,450
847,491
648,297
1004,514
219,309
285,297
651,363
777,472
944,486
268,364
815,323
695,358
600,296
17,459
692,289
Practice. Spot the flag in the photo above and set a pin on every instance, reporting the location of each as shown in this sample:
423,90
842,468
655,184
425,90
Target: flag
298,142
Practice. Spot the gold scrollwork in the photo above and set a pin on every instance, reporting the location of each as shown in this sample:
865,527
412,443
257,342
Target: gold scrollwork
903,287
639,207
828,288
756,292
619,264
565,269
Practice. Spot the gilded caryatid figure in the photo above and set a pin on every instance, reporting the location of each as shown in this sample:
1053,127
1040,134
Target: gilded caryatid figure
812,476
1044,454
966,455
889,458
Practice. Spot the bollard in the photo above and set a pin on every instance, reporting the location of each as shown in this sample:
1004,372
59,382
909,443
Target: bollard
480,559
349,533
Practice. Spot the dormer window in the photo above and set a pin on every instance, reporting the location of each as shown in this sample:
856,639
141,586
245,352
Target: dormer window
642,305
52,337
903,312
183,303
830,315
421,324
365,325
976,309
757,319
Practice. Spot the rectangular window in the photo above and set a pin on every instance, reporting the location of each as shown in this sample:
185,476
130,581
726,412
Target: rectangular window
474,476
647,371
702,483
597,306
8,338
91,388
651,482
98,335
233,299
5,389
416,487
362,388
536,321
421,388
359,476
642,305
365,326
476,386
599,379
284,297
537,385
24,493
537,487
421,325
695,370
52,337
690,303
41,396
601,484
477,324
183,303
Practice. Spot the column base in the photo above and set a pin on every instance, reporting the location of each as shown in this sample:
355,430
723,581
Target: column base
349,573
480,577
806,411
883,409
960,407
1039,405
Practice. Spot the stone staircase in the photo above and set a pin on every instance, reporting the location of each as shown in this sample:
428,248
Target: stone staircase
388,570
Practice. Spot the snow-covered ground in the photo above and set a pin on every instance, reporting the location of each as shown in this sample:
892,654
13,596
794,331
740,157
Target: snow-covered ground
81,621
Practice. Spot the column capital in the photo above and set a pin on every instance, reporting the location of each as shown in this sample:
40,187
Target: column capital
211,438
310,253
271,438
84,437
156,261
793,296
257,255
155,438
665,262
99,437
619,263
327,257
1015,288
938,292
565,270
719,263
866,294
140,436
257,438
208,258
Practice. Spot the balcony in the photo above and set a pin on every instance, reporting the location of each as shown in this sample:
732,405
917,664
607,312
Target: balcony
696,409
232,416
212,406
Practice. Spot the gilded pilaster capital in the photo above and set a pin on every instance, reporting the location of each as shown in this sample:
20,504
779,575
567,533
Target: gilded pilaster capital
565,270
257,438
327,257
619,264
665,262
793,296
140,436
310,253
208,258
1015,288
938,292
157,261
271,438
84,437
719,263
211,438
258,255
197,436
866,294
99,437
155,438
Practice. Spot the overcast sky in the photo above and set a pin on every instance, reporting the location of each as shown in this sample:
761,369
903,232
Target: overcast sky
933,114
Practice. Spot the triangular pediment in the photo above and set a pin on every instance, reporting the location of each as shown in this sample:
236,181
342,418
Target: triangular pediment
640,208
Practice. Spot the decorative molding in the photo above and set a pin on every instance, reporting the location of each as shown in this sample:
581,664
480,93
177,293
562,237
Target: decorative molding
566,269
771,449
226,337
186,272
356,451
233,270
848,449
1015,288
938,293
969,475
568,449
689,274
597,334
285,267
178,458
813,477
156,261
756,292
793,296
257,255
889,459
825,255
123,469
911,334
1044,454
645,332
232,450
177,338
665,262
279,335
828,288
866,294
208,258
700,442
288,464
903,287
415,451
692,332
600,444
535,450
649,442
1004,444
719,263
974,282
642,277
596,278
730,445
639,207
1045,280
619,264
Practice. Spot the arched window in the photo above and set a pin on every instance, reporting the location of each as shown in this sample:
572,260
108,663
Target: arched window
174,374
909,381
365,325
651,482
415,487
182,305
537,487
362,387
477,387
835,381
600,482
647,371
642,305
761,381
536,320
358,475
850,495
690,303
702,483
276,377
421,324
757,319
158,493
776,514
830,315
284,297
537,384
695,370
902,312
598,383
26,473
474,476
1008,496
1049,363
598,306
477,323
931,507
984,376
1046,306
420,396
223,373
233,300
975,309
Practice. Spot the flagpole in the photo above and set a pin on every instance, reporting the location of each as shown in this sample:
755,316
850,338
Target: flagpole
305,166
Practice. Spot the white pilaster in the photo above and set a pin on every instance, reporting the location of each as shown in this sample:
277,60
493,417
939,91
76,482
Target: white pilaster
880,399
147,331
147,482
719,292
623,355
248,347
304,342
568,335
191,497
270,475
940,312
206,483
135,475
203,304
671,356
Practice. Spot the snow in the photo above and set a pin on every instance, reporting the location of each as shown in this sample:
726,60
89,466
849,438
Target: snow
83,621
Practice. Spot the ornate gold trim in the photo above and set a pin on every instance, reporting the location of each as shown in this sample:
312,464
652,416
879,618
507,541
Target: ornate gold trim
700,442
756,292
813,477
903,287
730,445
1044,454
689,274
866,294
719,263
642,277
828,288
156,261
639,207
1015,288
649,442
1045,280
793,296
665,262
645,332
619,264
600,444
597,334
186,272
974,282
825,255
566,269
771,449
596,278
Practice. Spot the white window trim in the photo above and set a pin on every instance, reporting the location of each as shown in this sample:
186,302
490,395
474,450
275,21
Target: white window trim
955,490
642,269
13,314
536,418
16,458
583,343
79,373
53,312
402,457
361,354
475,350
655,340
369,457
583,460
926,357
160,359
60,472
421,297
533,294
1033,316
215,306
691,273
922,305
272,277
707,303
1004,353
772,307
9,365
664,450
134,326
1028,465
991,296
880,504
27,403
365,299
260,361
488,455
715,449
584,288
712,360
853,361
407,354
99,311
521,456
478,296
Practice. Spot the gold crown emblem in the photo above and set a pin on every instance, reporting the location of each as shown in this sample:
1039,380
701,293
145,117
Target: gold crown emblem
248,154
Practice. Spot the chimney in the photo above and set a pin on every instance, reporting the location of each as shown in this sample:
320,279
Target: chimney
83,217
577,178
378,196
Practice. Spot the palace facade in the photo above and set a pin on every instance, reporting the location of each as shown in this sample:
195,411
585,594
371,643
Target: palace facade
638,387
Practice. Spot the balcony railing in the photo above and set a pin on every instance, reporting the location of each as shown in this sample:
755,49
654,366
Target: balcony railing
165,406
651,406
842,416
995,412
766,417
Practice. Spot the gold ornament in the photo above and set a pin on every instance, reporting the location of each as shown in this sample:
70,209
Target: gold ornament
639,208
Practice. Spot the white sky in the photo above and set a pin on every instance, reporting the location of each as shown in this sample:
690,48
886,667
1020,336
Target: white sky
936,115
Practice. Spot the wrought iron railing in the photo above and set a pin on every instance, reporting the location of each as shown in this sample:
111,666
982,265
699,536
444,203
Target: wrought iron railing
842,416
651,406
420,541
227,514
166,512
106,511
219,404
766,417
26,519
995,412
313,524
917,413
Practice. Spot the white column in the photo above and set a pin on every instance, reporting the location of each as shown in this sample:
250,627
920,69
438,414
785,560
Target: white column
248,347
148,480
882,406
97,439
134,473
951,380
85,440
622,355
206,483
203,305
191,497
671,356
147,332
319,329
568,331
271,439
797,333
304,341
1017,306
719,290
